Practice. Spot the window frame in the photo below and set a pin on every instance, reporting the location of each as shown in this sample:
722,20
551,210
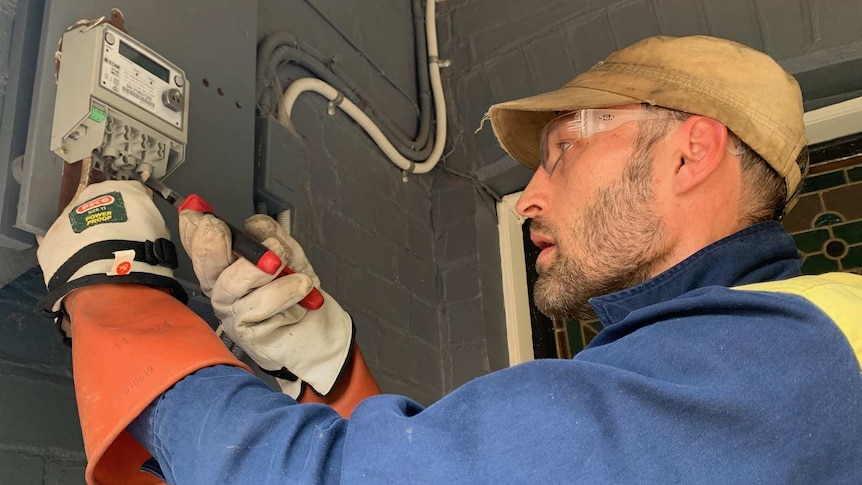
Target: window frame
519,334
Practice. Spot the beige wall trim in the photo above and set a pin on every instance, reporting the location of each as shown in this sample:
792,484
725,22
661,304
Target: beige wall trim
516,302
834,121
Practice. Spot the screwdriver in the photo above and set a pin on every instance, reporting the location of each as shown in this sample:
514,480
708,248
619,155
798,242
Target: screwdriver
241,243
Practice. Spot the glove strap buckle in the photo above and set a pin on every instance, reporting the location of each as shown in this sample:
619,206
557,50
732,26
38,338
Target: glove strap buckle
161,252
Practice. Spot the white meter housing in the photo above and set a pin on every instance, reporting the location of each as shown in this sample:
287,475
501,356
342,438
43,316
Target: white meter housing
119,102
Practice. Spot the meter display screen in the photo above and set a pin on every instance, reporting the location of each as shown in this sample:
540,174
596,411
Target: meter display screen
150,65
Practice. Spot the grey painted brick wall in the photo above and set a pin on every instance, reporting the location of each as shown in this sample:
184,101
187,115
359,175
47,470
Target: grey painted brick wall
7,21
40,439
370,234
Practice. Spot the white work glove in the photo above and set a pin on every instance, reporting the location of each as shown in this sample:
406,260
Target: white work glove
111,233
260,313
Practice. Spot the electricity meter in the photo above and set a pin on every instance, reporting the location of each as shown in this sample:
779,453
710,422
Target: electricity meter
119,102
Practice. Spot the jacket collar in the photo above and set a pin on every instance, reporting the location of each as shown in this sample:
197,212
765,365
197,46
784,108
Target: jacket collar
758,253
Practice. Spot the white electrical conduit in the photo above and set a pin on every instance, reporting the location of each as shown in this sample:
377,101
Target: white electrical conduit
335,98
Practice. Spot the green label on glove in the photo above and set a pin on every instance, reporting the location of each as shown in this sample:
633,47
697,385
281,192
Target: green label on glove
98,210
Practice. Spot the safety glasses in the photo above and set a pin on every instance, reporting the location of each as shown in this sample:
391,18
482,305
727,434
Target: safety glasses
561,133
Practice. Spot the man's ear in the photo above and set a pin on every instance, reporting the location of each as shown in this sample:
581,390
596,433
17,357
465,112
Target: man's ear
702,143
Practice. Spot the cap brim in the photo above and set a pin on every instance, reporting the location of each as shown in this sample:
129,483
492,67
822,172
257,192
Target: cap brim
518,124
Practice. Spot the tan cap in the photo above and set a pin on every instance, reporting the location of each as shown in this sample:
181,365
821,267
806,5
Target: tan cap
743,88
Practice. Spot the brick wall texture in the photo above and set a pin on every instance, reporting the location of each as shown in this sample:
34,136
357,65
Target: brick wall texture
40,439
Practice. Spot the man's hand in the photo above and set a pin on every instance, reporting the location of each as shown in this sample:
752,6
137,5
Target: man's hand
111,233
260,313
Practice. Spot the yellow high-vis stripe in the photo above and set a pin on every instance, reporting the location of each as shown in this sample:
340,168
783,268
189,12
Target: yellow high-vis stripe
838,295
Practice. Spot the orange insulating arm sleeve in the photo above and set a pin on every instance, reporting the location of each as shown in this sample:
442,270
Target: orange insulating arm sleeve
130,343
353,385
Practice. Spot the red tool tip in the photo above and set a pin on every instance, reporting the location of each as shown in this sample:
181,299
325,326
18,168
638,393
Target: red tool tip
269,263
313,300
196,203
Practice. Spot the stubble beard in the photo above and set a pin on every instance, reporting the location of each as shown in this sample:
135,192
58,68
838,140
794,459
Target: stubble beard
616,244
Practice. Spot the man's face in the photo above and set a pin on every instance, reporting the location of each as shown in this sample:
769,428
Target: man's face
596,220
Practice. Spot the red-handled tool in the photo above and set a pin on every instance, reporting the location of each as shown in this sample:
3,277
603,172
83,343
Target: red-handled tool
241,243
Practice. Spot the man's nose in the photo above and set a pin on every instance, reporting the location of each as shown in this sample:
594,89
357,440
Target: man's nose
534,199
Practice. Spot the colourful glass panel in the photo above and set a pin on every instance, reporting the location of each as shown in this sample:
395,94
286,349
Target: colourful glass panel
581,333
835,248
811,241
825,181
844,201
574,330
818,263
589,330
853,259
852,233
800,217
828,219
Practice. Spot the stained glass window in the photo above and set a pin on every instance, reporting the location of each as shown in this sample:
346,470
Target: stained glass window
574,335
826,222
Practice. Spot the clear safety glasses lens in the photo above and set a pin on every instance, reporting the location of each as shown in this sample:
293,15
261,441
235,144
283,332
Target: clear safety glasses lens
564,131
557,136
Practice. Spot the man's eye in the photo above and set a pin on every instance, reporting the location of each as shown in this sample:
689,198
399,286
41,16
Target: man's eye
558,149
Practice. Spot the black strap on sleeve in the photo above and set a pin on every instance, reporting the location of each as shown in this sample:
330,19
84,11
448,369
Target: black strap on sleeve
44,307
160,252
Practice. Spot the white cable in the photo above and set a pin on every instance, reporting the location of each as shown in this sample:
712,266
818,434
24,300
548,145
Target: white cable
335,98
283,219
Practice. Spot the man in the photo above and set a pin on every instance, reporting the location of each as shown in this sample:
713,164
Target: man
659,175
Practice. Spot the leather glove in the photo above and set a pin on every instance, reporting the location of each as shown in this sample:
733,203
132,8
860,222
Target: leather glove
260,313
111,233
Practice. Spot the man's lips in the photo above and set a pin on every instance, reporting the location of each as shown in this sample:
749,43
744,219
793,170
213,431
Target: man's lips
541,241
546,245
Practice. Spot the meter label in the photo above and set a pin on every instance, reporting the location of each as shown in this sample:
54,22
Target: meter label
127,83
138,90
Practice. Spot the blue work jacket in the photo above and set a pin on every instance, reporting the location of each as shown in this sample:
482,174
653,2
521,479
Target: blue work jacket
726,368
